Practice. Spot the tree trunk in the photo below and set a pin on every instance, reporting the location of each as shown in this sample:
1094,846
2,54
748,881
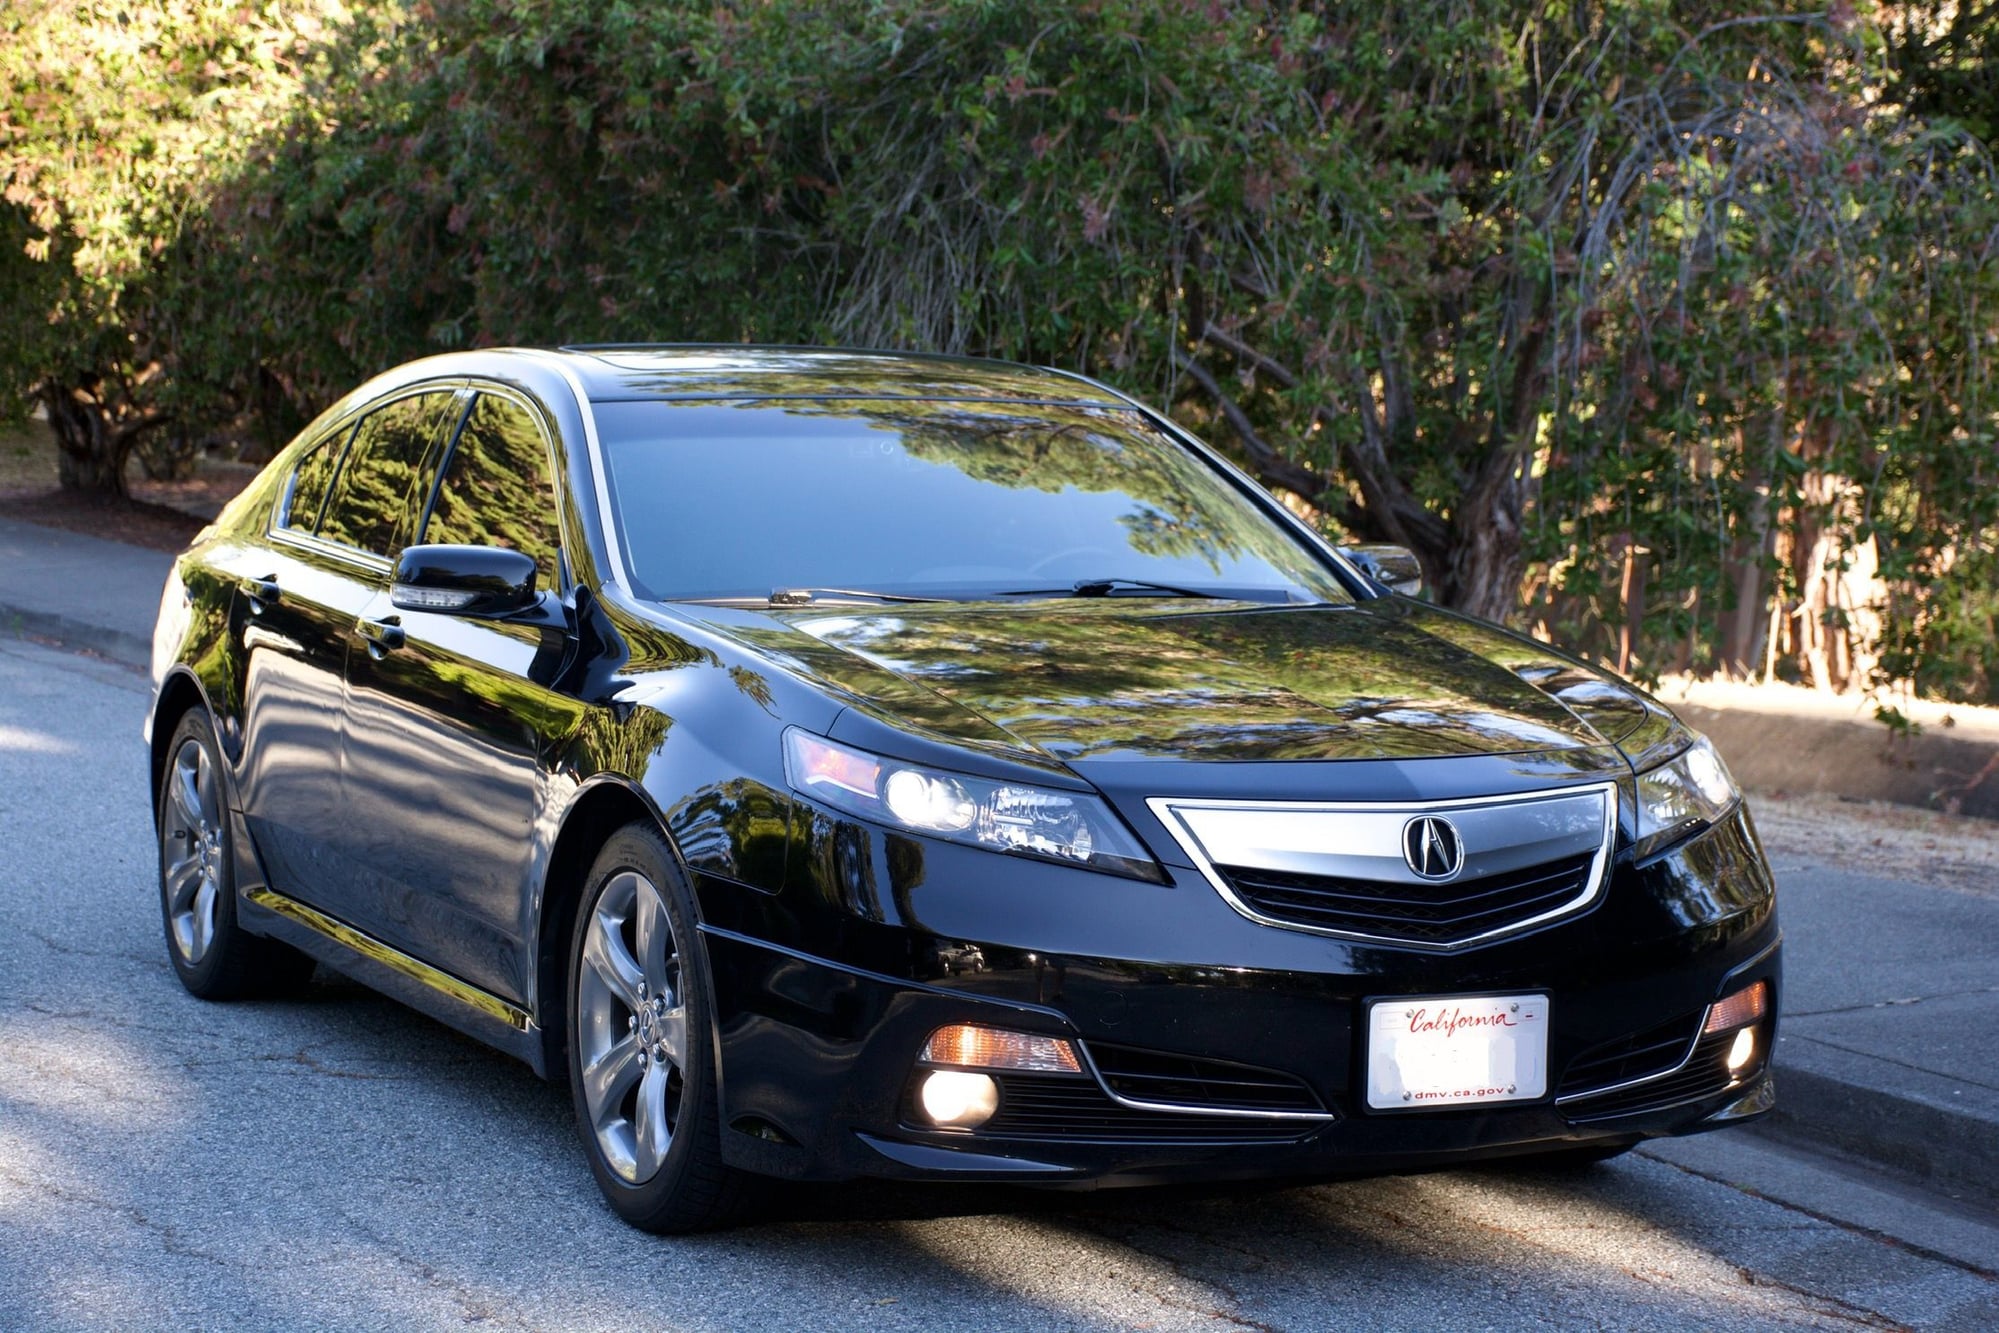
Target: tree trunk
1487,558
90,449
1745,624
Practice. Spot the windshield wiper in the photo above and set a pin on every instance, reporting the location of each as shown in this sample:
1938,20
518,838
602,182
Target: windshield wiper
1107,587
807,597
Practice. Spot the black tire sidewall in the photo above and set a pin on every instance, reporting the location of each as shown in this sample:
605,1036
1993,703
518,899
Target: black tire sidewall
652,1204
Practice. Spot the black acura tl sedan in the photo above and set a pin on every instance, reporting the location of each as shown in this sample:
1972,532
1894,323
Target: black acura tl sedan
839,764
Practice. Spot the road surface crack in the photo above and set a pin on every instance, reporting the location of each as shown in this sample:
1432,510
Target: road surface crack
170,1236
1890,1004
473,1308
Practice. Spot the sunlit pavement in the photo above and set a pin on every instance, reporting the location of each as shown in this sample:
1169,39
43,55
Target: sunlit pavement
340,1162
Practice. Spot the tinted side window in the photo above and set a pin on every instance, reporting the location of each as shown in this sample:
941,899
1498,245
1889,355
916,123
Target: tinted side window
372,495
310,481
496,489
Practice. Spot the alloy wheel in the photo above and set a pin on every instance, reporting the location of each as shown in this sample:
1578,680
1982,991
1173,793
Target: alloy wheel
195,847
631,1026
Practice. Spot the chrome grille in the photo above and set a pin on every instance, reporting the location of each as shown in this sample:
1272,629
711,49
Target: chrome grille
1077,1110
1415,913
1184,1081
1642,1055
1347,869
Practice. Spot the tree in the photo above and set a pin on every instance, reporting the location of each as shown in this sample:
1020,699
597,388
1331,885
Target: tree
1678,315
1943,59
114,119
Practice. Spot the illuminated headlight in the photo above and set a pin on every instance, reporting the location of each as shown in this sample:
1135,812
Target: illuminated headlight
1682,797
1074,828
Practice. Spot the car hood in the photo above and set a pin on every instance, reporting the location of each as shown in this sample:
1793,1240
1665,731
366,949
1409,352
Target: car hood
1139,678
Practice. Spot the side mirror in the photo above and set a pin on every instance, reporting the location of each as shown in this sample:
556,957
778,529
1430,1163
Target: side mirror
1395,566
464,580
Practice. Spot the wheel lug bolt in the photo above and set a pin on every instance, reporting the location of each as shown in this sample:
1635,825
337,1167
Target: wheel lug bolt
631,1024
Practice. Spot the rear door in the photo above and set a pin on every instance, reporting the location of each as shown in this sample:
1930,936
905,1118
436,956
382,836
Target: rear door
445,722
332,536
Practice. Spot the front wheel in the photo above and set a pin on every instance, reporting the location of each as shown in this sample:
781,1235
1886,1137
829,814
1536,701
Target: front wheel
641,1050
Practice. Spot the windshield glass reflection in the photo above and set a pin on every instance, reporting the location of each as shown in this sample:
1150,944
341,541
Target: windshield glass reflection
932,498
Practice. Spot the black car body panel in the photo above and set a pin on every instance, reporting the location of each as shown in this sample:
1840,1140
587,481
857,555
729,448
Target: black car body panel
415,795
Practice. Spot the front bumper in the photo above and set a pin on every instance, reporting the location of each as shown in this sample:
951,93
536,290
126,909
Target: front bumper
818,1044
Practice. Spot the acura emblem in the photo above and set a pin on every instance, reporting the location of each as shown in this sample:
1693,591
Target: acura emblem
1431,846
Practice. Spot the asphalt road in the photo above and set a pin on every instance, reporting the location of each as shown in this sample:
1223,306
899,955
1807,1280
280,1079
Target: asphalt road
339,1162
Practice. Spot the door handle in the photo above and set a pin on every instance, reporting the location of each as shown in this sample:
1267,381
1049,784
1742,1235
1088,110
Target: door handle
261,592
383,636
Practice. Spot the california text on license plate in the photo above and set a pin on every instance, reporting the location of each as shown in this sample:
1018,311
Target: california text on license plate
1456,1050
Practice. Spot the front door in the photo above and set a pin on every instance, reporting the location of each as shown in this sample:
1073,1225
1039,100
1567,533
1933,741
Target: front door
297,601
445,716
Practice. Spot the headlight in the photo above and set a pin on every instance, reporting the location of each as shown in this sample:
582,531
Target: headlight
1073,828
1682,797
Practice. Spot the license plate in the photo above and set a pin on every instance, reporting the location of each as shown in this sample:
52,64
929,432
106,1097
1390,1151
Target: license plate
1456,1050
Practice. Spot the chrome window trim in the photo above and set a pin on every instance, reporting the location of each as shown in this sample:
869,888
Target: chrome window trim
1166,808
317,545
274,524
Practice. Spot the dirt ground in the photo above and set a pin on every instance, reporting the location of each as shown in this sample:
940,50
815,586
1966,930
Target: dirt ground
1894,841
159,514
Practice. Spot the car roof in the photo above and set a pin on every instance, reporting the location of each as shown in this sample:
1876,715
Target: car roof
629,372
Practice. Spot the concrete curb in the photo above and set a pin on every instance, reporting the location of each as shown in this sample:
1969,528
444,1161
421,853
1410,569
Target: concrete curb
1885,1113
120,646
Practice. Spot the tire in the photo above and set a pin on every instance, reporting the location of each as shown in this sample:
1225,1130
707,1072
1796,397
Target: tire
641,1044
215,958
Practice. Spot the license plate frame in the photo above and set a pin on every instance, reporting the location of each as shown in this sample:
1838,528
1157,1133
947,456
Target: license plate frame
1431,1052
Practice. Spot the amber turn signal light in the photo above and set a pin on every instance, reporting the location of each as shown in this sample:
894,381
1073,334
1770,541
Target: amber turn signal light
1739,1010
995,1048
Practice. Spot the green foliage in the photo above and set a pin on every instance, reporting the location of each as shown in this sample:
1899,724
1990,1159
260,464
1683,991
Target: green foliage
1525,287
1943,59
114,119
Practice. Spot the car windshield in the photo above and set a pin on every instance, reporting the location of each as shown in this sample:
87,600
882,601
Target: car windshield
795,500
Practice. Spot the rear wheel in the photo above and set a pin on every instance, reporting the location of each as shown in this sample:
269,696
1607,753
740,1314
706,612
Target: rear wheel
641,1049
214,957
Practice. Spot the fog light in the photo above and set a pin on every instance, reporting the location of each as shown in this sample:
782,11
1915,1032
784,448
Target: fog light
1742,1050
1739,1010
994,1048
958,1100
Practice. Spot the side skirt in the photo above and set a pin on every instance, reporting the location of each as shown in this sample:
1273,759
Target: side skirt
478,1014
